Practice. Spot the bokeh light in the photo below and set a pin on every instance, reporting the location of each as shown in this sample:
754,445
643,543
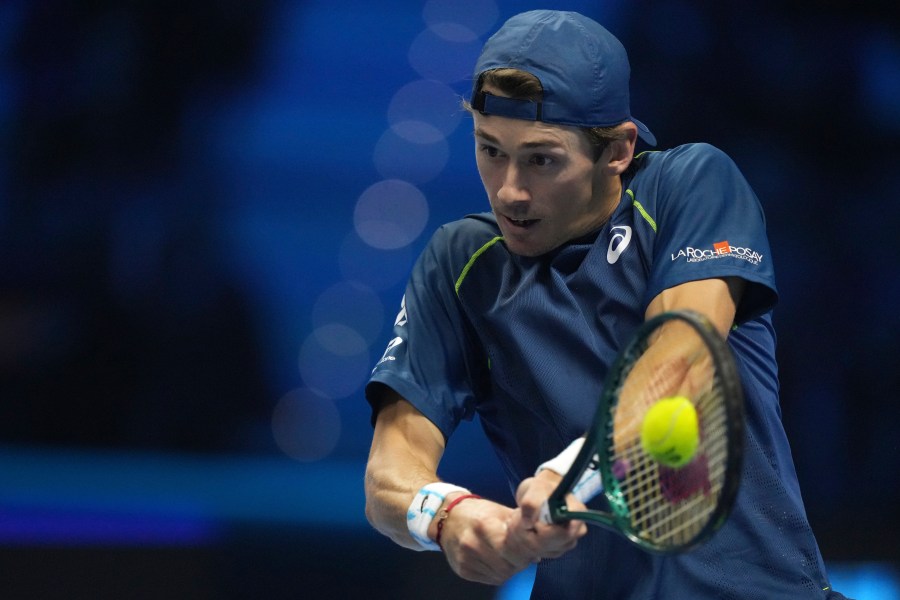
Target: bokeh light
334,360
306,426
425,101
477,16
379,268
390,214
353,304
396,157
448,61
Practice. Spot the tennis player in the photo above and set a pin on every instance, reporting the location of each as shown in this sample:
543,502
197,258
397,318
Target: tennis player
515,315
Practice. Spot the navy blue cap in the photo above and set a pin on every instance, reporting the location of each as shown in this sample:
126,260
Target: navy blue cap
582,67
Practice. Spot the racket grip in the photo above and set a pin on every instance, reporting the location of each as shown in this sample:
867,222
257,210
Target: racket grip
589,486
544,514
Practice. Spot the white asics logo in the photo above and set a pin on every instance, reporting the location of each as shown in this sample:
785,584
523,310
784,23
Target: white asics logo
618,243
401,316
385,357
399,322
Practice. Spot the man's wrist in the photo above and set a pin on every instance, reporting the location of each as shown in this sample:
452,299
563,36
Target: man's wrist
420,516
443,514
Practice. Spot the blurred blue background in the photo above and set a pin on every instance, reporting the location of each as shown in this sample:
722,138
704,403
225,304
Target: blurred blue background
207,214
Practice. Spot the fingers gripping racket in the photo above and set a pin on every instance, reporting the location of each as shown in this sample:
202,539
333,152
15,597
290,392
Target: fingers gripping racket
660,501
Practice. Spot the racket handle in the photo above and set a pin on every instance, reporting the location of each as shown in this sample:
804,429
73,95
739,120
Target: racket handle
544,514
589,486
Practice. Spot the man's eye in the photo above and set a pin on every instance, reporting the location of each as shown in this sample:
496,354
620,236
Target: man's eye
490,151
540,160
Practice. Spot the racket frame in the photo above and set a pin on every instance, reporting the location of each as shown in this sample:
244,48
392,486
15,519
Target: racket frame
595,451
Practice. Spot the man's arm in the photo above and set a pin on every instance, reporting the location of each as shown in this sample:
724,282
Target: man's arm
406,450
717,299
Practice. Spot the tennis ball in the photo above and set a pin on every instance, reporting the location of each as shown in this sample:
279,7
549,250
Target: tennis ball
670,433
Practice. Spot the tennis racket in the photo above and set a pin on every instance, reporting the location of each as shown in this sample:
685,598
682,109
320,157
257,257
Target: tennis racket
661,508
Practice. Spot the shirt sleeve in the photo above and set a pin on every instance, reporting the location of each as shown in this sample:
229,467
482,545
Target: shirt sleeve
431,357
710,224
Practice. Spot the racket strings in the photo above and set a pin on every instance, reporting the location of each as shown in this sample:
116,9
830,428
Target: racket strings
665,505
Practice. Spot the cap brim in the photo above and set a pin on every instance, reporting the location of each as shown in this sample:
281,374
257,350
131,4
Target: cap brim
644,132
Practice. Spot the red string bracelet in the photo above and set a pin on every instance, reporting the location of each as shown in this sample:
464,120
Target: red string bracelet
445,513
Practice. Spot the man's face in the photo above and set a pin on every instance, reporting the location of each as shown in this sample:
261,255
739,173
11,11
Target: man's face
542,182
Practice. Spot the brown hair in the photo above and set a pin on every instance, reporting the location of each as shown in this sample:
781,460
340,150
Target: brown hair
525,86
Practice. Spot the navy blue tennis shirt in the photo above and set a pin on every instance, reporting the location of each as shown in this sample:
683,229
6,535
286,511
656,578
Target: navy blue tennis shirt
526,342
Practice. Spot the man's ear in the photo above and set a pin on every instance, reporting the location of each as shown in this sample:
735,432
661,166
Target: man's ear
622,151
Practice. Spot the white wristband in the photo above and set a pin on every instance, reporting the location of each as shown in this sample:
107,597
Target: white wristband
423,508
589,485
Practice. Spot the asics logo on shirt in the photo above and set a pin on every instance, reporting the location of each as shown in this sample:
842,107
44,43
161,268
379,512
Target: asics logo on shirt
399,322
620,239
386,356
401,316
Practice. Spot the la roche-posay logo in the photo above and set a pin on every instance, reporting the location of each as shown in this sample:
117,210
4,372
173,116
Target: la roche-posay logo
719,250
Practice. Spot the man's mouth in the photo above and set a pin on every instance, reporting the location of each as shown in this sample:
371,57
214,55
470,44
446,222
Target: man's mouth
524,223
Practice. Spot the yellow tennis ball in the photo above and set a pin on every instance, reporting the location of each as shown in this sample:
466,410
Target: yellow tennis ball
670,433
